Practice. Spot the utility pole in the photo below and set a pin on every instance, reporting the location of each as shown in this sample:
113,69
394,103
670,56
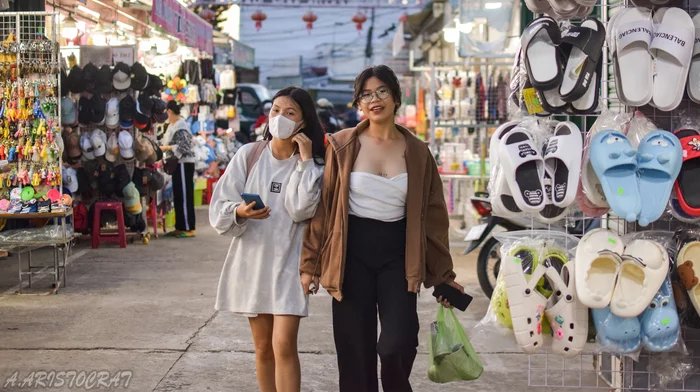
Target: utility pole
369,49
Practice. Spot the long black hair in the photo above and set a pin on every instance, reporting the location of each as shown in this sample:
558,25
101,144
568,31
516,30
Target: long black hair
312,128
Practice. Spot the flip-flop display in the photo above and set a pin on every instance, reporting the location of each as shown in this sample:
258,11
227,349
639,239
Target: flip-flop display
550,171
564,68
529,178
626,173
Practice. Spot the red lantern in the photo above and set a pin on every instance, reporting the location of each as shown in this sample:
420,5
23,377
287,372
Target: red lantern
359,19
309,18
207,14
258,16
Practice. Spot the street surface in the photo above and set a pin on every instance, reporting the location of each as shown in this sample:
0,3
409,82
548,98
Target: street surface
146,314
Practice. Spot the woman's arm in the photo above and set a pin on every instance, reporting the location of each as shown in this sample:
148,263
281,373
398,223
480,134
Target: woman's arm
304,190
227,196
437,226
181,143
315,235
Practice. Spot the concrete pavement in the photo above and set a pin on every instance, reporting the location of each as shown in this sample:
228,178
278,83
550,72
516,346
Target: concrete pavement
148,310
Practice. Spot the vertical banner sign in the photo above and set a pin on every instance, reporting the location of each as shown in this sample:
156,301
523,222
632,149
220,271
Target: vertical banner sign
179,21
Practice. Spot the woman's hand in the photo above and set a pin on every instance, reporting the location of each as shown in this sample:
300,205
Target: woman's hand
305,145
246,211
165,148
307,280
456,285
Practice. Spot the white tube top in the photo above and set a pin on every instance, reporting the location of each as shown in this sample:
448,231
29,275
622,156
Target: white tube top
378,198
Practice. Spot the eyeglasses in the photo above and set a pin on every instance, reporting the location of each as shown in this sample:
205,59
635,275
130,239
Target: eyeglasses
381,94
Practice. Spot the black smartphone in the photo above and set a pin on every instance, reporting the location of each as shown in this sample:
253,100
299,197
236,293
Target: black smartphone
453,296
251,197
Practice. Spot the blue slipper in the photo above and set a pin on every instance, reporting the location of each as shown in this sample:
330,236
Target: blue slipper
615,162
616,334
660,323
659,160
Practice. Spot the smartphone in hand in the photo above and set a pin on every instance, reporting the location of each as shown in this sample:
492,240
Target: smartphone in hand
453,296
251,197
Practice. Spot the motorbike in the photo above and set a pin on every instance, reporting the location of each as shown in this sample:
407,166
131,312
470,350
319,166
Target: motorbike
489,257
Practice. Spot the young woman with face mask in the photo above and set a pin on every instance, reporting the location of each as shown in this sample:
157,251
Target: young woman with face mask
380,232
260,278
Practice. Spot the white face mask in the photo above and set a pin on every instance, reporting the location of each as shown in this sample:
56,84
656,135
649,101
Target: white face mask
281,127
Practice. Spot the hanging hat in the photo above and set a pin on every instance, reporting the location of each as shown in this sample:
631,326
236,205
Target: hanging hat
132,200
76,82
112,148
121,178
143,149
121,77
126,145
72,151
98,109
160,114
139,76
70,179
85,113
127,108
105,178
155,85
112,115
90,77
86,146
144,105
104,80
69,117
99,142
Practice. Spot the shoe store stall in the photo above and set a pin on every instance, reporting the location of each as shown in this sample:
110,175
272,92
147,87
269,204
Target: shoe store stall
597,282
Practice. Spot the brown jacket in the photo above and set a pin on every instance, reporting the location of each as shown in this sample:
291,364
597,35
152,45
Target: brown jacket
428,259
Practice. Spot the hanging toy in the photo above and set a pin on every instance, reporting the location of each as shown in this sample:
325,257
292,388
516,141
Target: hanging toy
177,88
36,179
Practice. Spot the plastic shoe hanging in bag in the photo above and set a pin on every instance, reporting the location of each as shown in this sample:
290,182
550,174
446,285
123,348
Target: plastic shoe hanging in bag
452,357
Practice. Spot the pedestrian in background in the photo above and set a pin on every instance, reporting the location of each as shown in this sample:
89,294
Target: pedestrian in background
178,144
380,232
260,278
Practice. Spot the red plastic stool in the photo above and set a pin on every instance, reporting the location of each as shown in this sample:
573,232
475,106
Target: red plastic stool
210,190
97,237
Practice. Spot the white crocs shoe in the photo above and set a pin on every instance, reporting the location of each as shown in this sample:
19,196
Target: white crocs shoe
567,316
526,304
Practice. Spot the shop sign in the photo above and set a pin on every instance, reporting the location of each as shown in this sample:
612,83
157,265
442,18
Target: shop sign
184,24
123,54
243,55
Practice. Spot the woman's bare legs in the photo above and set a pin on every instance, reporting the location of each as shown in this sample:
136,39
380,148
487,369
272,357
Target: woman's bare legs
262,327
284,344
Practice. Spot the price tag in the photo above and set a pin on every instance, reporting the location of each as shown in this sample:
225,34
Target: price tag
532,102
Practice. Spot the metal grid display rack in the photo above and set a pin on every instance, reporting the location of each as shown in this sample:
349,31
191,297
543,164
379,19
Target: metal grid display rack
602,371
29,70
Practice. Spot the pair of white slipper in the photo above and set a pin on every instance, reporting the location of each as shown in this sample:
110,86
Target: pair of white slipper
655,55
530,178
626,278
528,307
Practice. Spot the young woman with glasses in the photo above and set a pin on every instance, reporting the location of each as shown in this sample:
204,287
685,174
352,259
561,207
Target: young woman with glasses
380,232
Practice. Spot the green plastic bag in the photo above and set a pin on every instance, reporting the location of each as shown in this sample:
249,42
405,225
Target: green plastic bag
452,357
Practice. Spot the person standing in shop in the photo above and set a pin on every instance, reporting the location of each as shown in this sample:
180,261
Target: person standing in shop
177,143
380,232
260,278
